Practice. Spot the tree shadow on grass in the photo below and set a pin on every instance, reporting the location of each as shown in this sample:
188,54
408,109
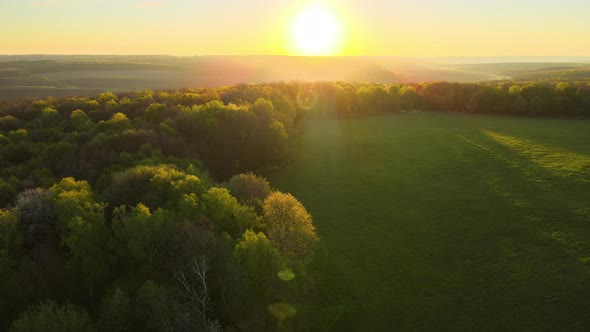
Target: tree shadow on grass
562,163
545,190
555,190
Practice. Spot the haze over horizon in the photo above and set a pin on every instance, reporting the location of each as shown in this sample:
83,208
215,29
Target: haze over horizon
425,28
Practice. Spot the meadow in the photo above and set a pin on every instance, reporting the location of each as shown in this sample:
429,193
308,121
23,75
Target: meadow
446,222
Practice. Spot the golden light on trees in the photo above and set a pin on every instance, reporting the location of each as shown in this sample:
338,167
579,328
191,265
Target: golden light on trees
316,31
290,228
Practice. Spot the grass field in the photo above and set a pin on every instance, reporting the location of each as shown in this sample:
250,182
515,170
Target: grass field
447,222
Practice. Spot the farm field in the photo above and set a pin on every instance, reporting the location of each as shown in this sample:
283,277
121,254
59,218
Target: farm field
447,222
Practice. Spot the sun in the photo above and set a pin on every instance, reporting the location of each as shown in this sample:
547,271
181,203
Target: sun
316,31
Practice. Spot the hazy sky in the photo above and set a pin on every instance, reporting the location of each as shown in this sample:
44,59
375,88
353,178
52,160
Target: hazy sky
369,27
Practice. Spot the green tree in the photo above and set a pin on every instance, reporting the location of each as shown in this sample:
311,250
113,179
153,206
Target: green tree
83,230
7,192
279,142
264,109
566,89
69,198
18,136
116,313
4,140
408,98
11,240
144,235
520,105
49,117
155,306
80,120
116,124
257,263
289,226
104,97
155,186
515,90
226,213
9,122
249,187
537,105
50,317
155,112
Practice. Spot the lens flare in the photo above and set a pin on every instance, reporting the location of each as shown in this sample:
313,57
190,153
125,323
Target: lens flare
307,98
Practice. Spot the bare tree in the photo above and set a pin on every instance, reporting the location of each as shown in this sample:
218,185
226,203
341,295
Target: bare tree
198,295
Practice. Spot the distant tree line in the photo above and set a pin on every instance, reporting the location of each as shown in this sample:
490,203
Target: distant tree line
506,98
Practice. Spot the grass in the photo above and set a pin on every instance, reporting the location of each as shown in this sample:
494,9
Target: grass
447,222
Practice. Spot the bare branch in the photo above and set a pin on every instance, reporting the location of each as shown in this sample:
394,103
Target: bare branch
199,268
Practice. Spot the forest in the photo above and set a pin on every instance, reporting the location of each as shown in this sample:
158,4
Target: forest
147,211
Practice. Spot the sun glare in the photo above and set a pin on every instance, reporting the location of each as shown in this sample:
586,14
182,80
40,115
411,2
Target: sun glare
316,31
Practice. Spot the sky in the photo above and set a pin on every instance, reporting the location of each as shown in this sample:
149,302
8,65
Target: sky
243,27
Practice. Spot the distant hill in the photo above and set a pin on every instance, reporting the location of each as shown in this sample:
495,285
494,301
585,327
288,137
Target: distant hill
63,75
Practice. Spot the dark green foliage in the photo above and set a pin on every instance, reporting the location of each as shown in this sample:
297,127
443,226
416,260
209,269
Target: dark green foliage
9,122
143,237
249,188
86,137
256,282
7,192
143,263
155,186
11,237
117,313
155,112
121,221
16,154
80,120
50,317
156,306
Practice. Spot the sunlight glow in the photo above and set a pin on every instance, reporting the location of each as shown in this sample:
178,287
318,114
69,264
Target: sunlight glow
316,31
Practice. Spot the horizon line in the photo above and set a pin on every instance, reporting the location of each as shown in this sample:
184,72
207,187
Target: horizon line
295,55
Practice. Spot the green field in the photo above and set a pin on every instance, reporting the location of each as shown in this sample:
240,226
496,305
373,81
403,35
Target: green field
447,222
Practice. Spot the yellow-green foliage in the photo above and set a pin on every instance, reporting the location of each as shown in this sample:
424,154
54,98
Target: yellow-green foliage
155,186
155,112
50,116
9,122
142,232
289,226
18,136
256,282
106,96
74,199
227,214
10,238
80,120
117,123
3,139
